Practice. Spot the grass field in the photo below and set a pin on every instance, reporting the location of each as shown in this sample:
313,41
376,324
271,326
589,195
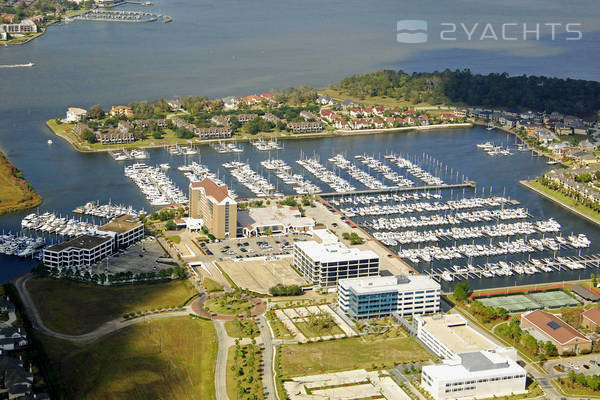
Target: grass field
76,308
171,358
311,332
228,306
279,330
348,354
242,328
211,285
240,368
15,192
377,100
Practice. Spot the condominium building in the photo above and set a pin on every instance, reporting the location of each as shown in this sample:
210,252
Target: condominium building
480,374
211,203
380,296
126,230
324,260
83,251
448,335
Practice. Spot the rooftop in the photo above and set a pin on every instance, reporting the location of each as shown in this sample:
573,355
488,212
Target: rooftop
211,189
593,314
553,327
585,293
273,215
379,284
335,252
474,365
81,242
122,224
456,334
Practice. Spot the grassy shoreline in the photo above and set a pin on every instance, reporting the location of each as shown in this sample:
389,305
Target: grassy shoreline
564,201
15,193
64,131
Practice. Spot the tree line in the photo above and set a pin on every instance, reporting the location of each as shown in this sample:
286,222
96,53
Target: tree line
462,87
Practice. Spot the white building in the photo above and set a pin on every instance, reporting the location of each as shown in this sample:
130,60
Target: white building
448,335
126,230
324,260
480,374
75,114
380,296
83,251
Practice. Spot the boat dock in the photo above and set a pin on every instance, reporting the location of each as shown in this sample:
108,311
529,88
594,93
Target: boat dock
530,267
466,184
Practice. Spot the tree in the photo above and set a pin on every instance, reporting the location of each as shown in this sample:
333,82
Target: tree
461,291
550,349
171,226
96,112
89,136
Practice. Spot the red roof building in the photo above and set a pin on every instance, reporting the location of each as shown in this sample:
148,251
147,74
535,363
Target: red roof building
551,328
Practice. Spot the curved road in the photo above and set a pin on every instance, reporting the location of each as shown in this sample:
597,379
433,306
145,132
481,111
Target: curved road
102,330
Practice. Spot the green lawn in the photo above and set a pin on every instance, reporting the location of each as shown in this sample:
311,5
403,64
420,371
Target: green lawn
76,308
376,100
171,358
212,286
566,200
174,238
15,192
310,331
228,306
242,328
574,389
245,373
279,330
347,354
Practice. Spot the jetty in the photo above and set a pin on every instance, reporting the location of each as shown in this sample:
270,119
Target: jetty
117,16
466,184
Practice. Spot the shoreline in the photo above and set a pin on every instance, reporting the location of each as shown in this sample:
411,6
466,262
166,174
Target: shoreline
581,214
76,145
29,198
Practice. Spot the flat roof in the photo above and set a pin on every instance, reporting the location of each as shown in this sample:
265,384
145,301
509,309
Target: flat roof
122,224
455,333
274,214
553,327
474,365
380,284
336,252
585,293
82,242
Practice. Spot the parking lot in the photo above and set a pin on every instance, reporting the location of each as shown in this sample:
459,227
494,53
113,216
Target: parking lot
256,246
588,364
140,257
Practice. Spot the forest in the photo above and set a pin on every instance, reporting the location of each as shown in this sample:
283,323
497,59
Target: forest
462,87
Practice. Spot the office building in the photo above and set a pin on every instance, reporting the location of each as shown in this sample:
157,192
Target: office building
324,260
126,230
83,251
380,296
480,374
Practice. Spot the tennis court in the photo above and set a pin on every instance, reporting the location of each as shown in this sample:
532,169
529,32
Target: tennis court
554,299
512,303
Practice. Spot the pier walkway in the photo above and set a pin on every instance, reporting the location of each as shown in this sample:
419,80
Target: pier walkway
467,184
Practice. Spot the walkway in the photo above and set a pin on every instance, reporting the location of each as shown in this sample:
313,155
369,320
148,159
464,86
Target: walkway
103,330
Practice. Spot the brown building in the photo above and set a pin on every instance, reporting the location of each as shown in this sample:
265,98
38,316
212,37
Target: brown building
551,328
590,319
212,203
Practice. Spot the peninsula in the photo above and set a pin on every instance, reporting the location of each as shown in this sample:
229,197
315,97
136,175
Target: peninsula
15,193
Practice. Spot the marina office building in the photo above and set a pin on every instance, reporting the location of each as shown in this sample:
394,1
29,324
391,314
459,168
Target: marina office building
82,251
86,250
380,296
211,203
479,374
324,260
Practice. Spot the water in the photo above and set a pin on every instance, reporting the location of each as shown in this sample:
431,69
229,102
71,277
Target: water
232,47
